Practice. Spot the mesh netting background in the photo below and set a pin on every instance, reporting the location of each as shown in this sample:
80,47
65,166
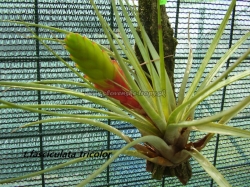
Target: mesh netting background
24,59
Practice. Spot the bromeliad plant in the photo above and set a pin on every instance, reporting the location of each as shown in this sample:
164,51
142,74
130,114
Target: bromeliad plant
164,122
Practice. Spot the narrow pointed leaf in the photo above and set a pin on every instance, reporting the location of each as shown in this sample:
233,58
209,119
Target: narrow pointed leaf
198,98
208,167
97,100
161,123
229,112
81,120
222,129
210,52
187,71
149,139
222,61
33,174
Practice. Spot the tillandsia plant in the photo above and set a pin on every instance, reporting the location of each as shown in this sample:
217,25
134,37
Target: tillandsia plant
145,100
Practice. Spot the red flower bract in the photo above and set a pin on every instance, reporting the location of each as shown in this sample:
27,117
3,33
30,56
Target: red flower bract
104,73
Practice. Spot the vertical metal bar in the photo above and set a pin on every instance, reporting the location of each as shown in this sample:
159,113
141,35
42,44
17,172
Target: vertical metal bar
177,18
109,121
39,92
224,91
108,148
200,45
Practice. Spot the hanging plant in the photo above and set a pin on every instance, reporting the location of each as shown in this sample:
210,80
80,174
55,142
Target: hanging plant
145,100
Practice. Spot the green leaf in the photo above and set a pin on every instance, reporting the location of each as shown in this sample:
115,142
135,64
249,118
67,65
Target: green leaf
56,55
208,167
155,141
81,120
148,108
165,104
159,78
143,47
222,61
199,97
187,71
84,85
33,174
31,86
169,91
36,25
221,129
210,52
229,112
147,128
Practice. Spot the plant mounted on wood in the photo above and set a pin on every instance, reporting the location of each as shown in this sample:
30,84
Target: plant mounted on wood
146,100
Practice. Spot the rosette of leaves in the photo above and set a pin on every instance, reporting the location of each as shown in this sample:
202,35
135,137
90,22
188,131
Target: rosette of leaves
165,122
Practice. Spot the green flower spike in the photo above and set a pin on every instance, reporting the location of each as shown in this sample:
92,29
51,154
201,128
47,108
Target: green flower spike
90,59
